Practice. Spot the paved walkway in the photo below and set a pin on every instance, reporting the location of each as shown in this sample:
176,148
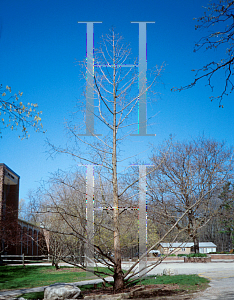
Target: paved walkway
221,285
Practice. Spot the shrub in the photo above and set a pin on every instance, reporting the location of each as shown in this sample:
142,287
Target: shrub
182,255
222,252
197,255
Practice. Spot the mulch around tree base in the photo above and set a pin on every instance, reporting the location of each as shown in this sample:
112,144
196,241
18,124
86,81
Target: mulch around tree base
140,292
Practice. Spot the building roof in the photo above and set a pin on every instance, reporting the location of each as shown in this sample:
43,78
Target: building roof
188,245
28,223
9,169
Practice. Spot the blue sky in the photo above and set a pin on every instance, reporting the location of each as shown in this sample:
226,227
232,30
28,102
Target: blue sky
41,43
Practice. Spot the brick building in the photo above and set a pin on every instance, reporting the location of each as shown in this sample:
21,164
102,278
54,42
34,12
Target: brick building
16,236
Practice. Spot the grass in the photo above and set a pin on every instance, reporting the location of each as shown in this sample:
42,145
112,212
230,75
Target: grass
38,295
190,283
16,277
184,281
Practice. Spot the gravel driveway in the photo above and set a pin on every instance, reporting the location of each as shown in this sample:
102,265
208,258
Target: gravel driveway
221,275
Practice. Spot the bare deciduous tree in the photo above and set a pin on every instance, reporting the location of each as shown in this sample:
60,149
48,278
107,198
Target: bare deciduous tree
219,23
226,214
116,92
190,179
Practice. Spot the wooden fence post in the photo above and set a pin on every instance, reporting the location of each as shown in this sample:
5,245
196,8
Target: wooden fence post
23,260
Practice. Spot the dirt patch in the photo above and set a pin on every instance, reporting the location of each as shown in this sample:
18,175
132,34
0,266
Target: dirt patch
142,292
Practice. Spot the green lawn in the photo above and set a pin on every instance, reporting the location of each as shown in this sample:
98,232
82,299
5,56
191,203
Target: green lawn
16,277
187,282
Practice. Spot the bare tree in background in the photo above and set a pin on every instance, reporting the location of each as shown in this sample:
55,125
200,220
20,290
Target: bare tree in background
226,214
218,22
190,179
59,207
220,229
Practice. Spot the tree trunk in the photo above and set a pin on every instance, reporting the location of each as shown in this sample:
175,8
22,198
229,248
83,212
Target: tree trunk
118,274
56,264
196,243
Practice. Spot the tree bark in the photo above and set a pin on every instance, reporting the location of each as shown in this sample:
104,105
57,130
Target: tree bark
118,274
196,243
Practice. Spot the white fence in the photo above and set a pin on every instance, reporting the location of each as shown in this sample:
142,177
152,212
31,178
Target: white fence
22,259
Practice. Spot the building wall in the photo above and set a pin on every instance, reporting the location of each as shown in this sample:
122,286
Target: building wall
186,250
1,188
9,201
207,249
9,193
16,236
32,240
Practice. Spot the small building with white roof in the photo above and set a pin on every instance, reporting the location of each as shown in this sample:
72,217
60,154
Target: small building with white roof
186,248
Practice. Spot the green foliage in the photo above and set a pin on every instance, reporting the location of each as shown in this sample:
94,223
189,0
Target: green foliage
182,255
14,113
197,255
